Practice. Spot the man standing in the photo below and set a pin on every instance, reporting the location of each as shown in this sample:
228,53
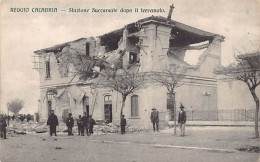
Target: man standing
70,124
123,124
80,126
2,126
91,123
182,120
52,122
84,123
155,119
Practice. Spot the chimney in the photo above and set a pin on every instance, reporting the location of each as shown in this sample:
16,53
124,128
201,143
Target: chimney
170,12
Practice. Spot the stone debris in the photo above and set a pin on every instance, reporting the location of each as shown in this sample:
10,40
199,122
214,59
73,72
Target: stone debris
100,128
23,127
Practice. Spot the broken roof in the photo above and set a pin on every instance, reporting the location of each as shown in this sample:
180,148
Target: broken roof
56,48
178,25
196,35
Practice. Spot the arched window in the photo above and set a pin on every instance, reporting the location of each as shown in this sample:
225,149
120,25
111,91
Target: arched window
134,106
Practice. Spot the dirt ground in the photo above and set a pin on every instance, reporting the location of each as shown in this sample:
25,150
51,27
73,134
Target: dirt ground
200,144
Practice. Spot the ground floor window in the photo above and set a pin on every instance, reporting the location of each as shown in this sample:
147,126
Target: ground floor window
134,106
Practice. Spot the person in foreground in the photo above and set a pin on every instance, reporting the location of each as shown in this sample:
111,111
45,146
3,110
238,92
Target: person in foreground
123,124
155,119
52,122
3,126
182,120
70,124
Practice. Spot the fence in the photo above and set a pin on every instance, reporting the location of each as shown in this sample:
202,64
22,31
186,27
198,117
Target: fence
221,115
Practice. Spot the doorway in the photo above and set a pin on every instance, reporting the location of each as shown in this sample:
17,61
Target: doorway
86,105
49,104
108,108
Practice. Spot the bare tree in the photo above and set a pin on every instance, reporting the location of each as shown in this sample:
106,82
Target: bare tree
170,78
15,106
124,81
247,70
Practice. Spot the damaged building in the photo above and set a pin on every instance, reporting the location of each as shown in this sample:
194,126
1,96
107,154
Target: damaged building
150,44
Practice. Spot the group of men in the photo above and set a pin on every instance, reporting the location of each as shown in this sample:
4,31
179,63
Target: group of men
85,122
181,119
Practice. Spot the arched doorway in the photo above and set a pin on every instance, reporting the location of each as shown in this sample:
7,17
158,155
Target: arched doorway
108,108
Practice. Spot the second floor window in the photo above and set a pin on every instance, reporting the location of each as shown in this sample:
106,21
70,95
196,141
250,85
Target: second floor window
48,70
132,57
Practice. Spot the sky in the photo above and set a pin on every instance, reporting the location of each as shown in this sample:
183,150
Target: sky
24,32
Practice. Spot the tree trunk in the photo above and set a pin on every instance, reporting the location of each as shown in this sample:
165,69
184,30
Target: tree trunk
256,120
175,116
256,113
122,108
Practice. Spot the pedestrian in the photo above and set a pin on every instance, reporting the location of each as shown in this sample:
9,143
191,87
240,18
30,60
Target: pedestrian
182,120
80,126
3,126
123,124
28,117
84,120
53,122
13,117
155,119
70,124
91,123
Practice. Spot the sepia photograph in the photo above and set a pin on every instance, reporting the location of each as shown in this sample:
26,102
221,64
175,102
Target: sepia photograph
129,80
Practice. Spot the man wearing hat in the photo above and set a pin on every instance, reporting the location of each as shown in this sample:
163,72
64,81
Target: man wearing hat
155,119
182,120
84,123
80,126
70,124
123,124
90,125
52,122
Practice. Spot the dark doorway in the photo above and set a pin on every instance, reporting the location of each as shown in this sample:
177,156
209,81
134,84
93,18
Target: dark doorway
108,108
49,104
87,109
108,113
86,105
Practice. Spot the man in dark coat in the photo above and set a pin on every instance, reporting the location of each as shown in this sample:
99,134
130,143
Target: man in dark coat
3,126
70,124
90,125
53,122
80,126
155,119
84,120
182,120
123,124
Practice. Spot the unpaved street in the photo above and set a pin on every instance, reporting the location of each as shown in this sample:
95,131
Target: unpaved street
200,144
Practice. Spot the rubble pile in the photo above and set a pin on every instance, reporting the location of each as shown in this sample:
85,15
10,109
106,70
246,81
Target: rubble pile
114,127
106,128
23,127
40,127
